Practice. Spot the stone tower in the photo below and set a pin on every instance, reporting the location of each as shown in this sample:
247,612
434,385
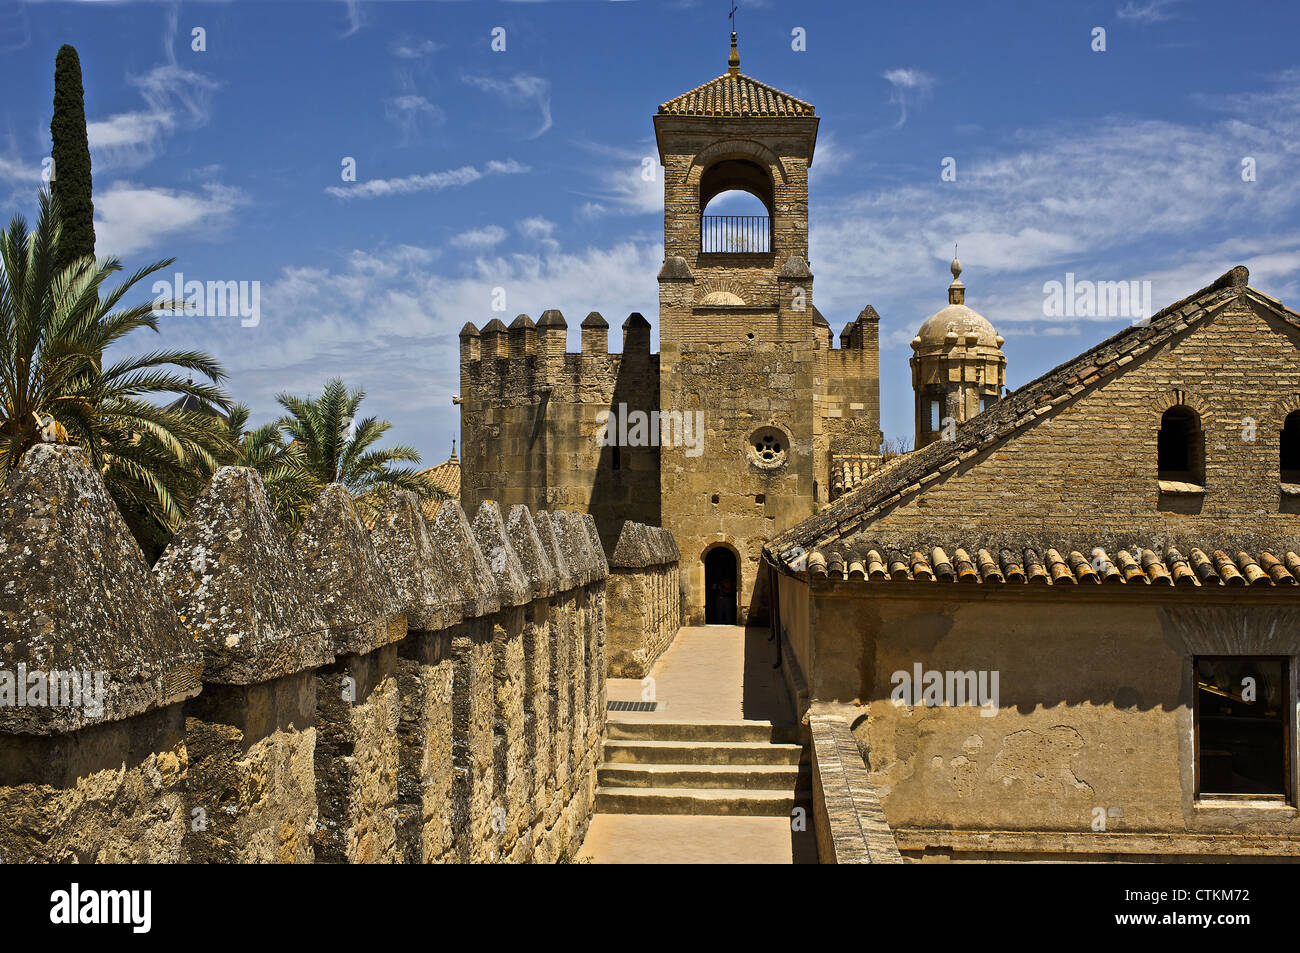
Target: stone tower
738,342
958,368
729,434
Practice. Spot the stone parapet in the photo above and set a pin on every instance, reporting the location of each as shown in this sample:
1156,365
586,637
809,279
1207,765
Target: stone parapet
643,599
422,692
850,823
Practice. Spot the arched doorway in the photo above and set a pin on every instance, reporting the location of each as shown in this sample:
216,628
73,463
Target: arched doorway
720,584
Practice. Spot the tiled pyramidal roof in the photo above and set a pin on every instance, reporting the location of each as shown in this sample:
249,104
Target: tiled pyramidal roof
738,96
446,477
1028,566
853,513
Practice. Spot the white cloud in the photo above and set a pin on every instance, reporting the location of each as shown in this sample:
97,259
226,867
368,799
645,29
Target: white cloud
1104,201
625,191
830,156
413,48
17,171
907,86
15,31
539,230
426,182
356,18
519,90
536,227
1152,11
410,112
131,218
175,98
476,238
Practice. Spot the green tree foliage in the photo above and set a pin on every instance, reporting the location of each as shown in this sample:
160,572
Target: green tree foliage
55,325
71,154
330,446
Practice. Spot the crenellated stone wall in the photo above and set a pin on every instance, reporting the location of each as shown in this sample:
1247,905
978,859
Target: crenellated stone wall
418,692
644,599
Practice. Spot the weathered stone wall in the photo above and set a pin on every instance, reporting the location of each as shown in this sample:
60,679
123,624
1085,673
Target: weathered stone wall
104,780
418,692
531,425
850,825
643,600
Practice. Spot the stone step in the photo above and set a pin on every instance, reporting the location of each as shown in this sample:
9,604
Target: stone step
756,731
716,801
701,752
754,777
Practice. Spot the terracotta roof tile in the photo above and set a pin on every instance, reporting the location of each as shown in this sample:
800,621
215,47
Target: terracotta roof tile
739,96
446,477
871,562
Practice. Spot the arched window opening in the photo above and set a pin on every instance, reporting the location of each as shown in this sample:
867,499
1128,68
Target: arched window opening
735,209
1289,451
1180,448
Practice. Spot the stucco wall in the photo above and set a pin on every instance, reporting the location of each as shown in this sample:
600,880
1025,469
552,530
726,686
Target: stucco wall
1094,712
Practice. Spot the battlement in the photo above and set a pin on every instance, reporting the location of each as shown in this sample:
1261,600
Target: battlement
526,360
412,691
548,337
860,334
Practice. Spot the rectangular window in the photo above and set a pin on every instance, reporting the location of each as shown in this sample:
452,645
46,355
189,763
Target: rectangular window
934,416
1242,726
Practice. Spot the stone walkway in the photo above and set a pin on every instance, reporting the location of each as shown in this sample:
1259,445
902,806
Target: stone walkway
686,839
710,674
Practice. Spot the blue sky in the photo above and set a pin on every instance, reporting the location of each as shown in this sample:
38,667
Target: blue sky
521,169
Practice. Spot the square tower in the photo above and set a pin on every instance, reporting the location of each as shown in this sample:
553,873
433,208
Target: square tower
737,345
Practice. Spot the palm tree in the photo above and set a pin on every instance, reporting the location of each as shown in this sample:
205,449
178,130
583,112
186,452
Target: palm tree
279,463
55,325
333,448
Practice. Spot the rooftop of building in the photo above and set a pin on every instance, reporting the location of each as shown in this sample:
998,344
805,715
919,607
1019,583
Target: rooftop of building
737,96
840,524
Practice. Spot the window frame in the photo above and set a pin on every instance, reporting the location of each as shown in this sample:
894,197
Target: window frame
1289,734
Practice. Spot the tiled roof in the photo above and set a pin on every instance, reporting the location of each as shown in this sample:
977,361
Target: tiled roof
849,470
736,95
1049,567
889,486
446,477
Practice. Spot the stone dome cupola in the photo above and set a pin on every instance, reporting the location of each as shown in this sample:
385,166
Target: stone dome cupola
958,368
956,320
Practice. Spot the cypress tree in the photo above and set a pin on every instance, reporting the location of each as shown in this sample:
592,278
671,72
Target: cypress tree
71,154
